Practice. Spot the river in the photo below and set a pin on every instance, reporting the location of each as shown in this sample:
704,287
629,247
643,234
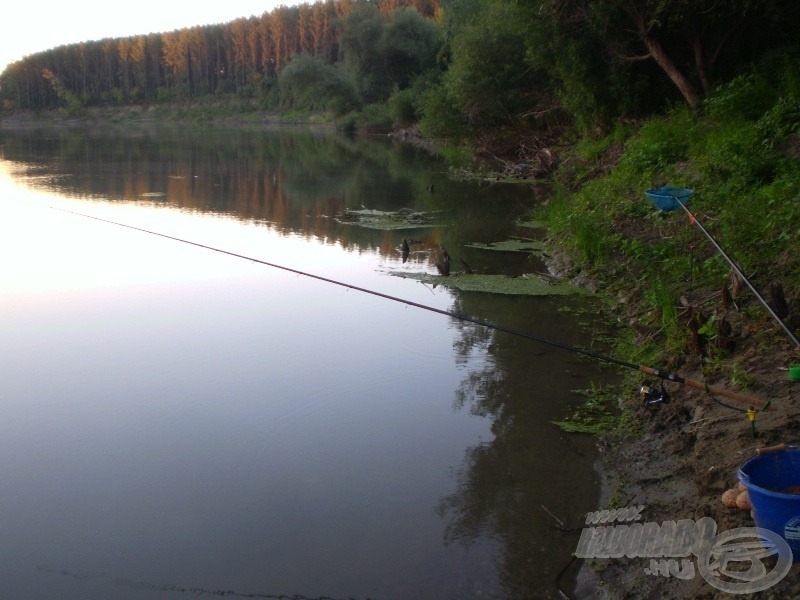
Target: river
176,421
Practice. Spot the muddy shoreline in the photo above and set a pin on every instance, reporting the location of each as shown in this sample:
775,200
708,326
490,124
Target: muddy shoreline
689,450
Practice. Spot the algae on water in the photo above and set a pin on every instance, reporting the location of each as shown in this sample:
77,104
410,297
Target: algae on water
513,245
597,415
405,218
524,285
531,224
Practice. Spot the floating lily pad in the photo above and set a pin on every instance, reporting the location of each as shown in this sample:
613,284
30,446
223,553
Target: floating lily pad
524,285
387,220
531,224
518,245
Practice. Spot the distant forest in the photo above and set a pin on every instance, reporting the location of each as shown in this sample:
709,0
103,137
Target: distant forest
180,65
459,68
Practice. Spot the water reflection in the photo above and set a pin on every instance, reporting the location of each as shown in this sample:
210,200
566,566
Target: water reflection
515,485
293,179
305,439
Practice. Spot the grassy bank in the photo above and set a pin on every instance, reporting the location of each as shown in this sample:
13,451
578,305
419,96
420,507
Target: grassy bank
664,278
680,307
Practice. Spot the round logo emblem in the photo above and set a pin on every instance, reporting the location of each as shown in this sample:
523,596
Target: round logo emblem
734,562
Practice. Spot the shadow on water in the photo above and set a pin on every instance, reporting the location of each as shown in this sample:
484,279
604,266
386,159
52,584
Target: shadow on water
504,496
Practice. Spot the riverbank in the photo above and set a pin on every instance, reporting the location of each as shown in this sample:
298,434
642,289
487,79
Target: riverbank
242,114
211,113
685,453
679,308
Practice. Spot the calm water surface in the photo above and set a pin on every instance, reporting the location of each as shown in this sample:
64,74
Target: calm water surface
177,421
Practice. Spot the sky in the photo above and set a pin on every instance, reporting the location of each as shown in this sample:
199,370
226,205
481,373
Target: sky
31,26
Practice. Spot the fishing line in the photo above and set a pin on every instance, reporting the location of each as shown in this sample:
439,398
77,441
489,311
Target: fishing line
664,375
350,286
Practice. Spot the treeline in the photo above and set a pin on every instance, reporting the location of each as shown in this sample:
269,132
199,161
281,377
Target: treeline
460,68
241,57
590,62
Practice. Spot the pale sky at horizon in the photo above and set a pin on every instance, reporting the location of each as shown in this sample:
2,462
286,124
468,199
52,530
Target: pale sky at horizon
31,27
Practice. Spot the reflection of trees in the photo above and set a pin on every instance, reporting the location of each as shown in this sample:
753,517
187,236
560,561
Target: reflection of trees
506,481
293,179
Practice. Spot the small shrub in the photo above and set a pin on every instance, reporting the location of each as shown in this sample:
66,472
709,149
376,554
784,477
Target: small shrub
660,296
166,95
593,148
348,123
269,96
455,156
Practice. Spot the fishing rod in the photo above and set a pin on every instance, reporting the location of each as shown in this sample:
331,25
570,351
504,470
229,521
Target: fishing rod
664,375
678,195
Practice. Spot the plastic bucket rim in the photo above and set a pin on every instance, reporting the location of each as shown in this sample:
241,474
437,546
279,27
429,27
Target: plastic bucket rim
745,478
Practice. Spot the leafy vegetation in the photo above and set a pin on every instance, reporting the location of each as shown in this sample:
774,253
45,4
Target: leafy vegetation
309,84
484,72
362,50
739,153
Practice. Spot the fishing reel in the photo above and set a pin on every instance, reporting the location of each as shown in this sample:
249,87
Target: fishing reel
652,396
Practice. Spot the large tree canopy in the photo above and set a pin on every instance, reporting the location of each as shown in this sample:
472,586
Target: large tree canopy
386,53
685,38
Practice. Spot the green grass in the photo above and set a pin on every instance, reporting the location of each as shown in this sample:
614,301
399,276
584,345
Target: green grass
741,156
593,148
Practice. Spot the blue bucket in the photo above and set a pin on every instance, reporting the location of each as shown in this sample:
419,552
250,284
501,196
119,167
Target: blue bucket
665,197
767,477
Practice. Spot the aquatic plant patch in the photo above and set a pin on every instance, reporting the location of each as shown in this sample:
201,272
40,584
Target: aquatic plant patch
512,245
405,218
531,224
525,285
